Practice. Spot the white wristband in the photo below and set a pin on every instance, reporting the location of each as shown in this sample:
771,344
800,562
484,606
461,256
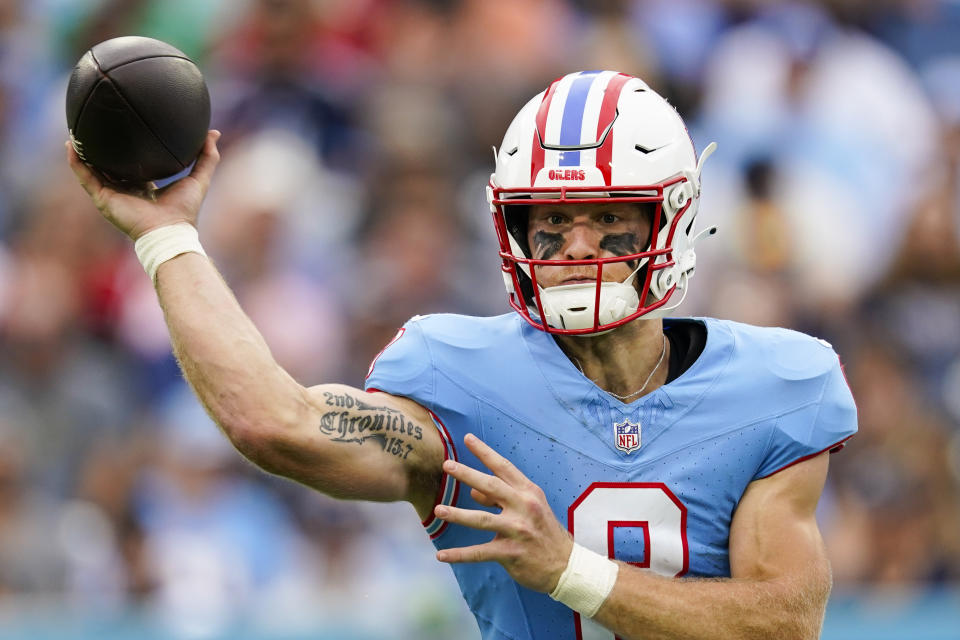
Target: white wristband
164,243
586,582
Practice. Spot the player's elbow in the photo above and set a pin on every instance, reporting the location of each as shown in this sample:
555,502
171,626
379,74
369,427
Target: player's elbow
251,440
260,436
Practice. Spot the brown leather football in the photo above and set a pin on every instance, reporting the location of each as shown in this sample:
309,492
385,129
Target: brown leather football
137,109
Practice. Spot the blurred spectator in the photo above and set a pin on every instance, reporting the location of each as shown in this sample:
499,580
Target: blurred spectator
31,560
214,542
827,106
279,225
896,494
66,386
274,74
407,261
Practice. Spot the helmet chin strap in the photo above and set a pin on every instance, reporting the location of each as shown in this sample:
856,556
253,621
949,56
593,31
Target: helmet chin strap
662,311
572,306
687,265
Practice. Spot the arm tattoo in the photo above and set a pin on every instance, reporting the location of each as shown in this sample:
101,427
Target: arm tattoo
350,419
546,244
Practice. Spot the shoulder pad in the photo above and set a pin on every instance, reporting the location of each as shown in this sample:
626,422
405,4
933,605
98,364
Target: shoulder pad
797,356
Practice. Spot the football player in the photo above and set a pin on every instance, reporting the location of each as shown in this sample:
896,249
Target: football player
589,468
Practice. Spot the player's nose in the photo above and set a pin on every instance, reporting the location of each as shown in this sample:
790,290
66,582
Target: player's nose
583,243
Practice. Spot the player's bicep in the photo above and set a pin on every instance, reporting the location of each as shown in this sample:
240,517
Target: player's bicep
364,446
774,534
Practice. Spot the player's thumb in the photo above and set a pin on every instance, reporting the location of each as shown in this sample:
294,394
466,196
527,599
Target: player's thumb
208,160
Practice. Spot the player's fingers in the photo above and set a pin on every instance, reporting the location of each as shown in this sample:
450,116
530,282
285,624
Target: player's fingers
473,518
482,498
208,159
500,466
493,487
477,553
88,179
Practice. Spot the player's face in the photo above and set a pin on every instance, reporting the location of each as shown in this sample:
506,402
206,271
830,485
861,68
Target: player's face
586,232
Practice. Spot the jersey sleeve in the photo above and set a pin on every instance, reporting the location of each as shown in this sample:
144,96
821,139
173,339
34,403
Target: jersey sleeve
404,366
818,427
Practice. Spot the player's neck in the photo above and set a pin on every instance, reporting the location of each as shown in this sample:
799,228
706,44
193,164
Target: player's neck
623,360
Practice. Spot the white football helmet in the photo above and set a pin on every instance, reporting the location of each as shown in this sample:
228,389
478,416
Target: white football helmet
595,137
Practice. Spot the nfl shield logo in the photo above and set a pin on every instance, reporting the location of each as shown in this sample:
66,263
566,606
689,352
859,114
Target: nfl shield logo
627,436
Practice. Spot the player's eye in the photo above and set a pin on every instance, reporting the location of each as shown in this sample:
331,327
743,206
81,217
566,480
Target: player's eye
609,218
555,218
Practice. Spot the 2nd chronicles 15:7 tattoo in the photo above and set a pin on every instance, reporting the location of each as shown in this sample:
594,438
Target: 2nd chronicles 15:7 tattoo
353,420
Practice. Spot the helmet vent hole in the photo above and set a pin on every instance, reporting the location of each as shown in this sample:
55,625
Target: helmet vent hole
645,150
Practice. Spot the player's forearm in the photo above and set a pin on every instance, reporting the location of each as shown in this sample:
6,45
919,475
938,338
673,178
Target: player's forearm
643,605
222,355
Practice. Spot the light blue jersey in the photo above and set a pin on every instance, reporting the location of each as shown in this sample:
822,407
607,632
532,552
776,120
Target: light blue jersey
654,482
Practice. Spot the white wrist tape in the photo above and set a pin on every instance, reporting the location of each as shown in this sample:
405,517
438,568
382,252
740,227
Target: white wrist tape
164,243
586,582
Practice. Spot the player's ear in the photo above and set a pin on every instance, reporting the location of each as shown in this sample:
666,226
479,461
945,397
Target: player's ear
518,224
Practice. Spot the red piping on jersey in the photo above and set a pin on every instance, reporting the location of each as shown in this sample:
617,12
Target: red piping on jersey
444,435
373,362
608,111
537,153
836,446
843,372
443,479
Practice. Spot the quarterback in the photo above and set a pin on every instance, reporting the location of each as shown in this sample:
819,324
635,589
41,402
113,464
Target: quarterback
589,467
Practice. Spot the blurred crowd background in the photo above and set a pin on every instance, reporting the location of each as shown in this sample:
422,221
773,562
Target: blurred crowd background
350,197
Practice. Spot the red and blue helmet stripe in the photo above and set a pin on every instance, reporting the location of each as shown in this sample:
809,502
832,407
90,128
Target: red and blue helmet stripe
573,124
